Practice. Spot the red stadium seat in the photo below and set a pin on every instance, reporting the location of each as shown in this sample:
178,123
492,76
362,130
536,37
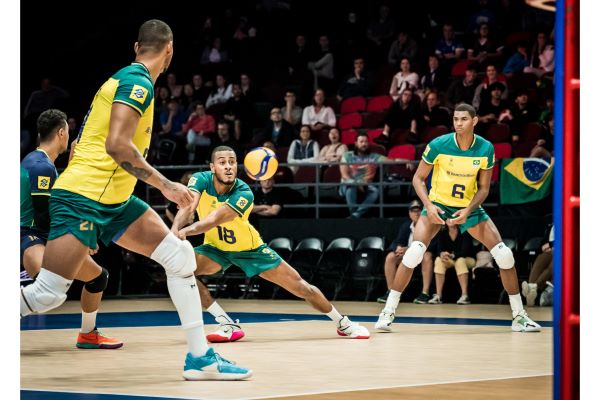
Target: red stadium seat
306,174
514,37
501,150
379,103
458,70
431,132
498,133
349,136
373,120
353,104
374,133
532,132
350,121
404,151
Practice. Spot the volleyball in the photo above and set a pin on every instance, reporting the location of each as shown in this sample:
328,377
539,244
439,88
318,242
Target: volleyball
260,163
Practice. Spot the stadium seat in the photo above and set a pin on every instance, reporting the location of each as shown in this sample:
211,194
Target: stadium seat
334,262
306,174
515,37
350,121
373,120
306,256
458,69
282,246
532,132
431,132
379,103
373,133
166,149
331,182
404,151
498,133
523,149
376,148
501,150
352,105
348,136
521,81
399,136
282,153
366,261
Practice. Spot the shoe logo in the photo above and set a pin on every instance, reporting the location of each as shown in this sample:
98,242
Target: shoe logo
193,286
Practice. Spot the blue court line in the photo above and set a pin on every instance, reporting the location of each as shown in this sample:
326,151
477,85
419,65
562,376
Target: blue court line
170,318
41,394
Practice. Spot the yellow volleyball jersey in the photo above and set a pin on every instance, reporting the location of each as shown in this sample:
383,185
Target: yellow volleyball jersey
454,177
236,235
92,172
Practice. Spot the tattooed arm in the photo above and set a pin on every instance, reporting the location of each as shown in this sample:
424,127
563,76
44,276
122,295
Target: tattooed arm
119,145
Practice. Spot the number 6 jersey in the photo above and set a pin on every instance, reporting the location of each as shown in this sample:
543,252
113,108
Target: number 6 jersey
236,235
454,178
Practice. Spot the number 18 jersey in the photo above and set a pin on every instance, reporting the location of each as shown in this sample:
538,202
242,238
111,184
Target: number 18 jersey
236,235
454,178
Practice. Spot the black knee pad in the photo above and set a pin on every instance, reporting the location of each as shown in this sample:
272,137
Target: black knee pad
99,283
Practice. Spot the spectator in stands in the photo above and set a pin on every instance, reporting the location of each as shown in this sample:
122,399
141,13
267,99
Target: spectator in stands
491,109
333,151
220,93
405,79
448,48
484,15
544,147
403,114
361,171
162,99
547,110
292,113
278,131
542,57
248,90
214,54
433,114
381,29
356,84
318,116
403,47
224,138
298,60
483,46
540,276
41,100
187,99
172,120
268,200
239,112
521,113
462,90
201,92
482,92
518,61
454,249
303,150
322,65
436,78
175,88
199,127
398,248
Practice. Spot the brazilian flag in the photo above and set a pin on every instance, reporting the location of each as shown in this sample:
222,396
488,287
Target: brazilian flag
523,180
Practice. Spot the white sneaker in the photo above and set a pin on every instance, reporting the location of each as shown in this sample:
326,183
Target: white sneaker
529,290
435,299
384,323
226,332
522,323
546,296
352,329
464,299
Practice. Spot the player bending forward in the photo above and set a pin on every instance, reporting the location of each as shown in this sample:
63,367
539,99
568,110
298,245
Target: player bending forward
223,204
455,198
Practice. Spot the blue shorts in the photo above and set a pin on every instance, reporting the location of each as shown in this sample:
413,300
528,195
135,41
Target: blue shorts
31,237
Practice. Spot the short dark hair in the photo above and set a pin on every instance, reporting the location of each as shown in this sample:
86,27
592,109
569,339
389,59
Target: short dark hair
49,122
220,148
359,134
154,35
466,107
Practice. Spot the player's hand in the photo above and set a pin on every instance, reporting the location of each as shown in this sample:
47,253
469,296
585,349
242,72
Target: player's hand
181,234
433,213
177,193
93,251
460,217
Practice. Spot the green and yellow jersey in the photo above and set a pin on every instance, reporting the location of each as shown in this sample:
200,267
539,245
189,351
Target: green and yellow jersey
454,178
236,235
92,173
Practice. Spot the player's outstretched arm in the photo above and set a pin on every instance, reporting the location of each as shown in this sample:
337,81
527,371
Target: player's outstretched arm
185,215
119,145
221,215
420,185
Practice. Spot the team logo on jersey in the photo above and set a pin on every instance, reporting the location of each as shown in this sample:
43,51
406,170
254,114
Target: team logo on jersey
476,163
192,181
426,151
43,182
138,93
242,202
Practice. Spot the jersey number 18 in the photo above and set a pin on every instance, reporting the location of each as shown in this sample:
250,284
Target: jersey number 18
226,235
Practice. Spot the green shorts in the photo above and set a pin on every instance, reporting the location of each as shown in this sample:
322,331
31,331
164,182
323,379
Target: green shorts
252,262
477,216
89,220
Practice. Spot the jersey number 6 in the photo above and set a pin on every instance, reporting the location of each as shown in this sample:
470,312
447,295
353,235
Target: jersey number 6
458,191
226,235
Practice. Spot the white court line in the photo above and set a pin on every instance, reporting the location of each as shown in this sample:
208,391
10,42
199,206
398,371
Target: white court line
301,394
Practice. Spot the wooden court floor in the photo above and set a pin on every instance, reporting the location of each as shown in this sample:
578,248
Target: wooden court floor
435,352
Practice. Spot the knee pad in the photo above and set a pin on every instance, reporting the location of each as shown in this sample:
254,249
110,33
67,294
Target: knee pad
176,256
414,254
46,293
503,256
99,283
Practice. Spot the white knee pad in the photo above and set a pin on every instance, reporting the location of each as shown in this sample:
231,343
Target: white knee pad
414,254
503,256
176,256
47,292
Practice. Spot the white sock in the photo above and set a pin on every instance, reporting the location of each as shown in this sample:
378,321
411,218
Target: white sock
516,304
334,315
216,311
392,301
186,299
88,321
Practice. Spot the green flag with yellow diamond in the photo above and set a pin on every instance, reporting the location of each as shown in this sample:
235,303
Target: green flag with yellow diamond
523,180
